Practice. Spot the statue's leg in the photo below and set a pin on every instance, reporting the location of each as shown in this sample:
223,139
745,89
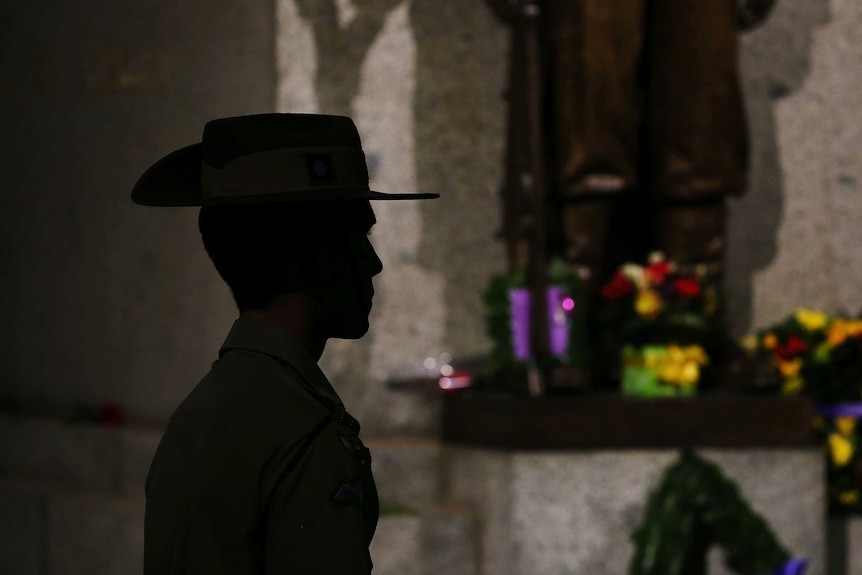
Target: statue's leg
696,134
595,56
696,127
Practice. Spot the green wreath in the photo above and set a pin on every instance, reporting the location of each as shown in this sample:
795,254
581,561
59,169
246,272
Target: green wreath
498,317
694,507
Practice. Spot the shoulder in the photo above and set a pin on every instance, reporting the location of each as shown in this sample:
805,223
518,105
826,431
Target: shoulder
254,386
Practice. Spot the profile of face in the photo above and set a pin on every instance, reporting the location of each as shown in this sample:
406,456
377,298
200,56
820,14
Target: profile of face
345,302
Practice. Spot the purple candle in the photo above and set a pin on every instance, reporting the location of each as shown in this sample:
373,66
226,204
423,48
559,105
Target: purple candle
559,308
558,321
519,308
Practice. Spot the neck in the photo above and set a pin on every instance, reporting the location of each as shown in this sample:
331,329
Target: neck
295,315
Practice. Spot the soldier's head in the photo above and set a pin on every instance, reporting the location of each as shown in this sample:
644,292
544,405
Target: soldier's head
318,249
284,210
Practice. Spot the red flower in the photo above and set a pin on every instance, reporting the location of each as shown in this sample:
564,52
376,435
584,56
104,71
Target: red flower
687,287
657,272
619,286
794,347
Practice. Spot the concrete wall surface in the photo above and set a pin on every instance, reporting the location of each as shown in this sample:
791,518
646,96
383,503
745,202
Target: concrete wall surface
103,300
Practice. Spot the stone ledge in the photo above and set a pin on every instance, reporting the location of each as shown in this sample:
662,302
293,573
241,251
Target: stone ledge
614,421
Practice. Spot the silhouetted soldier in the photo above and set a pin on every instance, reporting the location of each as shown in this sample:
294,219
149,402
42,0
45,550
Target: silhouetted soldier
261,469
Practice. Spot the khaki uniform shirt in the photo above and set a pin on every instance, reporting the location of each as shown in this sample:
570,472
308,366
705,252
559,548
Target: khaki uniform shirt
260,470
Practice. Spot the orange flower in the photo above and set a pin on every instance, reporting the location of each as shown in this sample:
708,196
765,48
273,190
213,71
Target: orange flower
845,425
838,332
789,367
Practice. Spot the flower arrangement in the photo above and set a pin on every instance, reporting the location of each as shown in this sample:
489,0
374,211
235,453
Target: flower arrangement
662,321
662,370
643,295
815,354
840,429
820,356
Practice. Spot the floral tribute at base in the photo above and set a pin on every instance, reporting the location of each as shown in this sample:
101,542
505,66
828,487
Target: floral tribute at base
660,323
662,370
819,355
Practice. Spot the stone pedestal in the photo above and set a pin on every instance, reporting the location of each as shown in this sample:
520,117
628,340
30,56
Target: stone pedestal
572,508
563,512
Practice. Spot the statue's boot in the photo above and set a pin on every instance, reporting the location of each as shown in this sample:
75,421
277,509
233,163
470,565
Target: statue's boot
584,234
693,235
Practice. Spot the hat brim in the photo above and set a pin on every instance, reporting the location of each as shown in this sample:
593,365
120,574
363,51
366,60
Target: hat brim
175,181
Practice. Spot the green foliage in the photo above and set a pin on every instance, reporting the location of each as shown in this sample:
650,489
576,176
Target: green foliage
496,300
695,506
498,326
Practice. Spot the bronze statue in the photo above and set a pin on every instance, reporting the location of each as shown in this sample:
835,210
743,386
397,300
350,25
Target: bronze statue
626,132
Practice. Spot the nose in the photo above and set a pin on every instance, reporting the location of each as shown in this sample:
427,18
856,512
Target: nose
376,264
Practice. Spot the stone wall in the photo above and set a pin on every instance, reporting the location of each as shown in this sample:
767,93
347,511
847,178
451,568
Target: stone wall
794,238
100,299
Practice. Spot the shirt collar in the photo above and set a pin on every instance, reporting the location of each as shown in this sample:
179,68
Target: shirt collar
255,335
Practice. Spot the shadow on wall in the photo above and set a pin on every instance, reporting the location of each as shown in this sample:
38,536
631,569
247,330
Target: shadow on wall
776,60
459,111
342,45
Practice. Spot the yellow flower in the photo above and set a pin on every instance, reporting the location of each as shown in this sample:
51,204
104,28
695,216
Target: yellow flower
681,365
840,448
696,354
648,303
812,320
792,385
770,341
690,374
671,372
848,497
845,425
749,343
789,367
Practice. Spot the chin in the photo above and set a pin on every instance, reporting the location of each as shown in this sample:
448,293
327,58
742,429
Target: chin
352,332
